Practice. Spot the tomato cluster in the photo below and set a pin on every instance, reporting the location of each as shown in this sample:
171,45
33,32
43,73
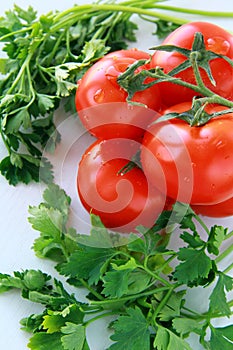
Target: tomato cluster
178,162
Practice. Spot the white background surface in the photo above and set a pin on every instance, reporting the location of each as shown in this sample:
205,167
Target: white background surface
17,236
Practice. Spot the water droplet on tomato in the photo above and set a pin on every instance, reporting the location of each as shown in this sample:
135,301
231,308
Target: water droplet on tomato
111,73
130,107
218,45
118,67
220,144
187,179
99,96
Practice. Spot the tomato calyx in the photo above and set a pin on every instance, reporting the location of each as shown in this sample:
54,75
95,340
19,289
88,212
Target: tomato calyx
199,57
132,81
198,53
196,115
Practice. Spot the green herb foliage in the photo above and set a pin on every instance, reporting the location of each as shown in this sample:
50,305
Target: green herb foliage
46,56
44,62
136,278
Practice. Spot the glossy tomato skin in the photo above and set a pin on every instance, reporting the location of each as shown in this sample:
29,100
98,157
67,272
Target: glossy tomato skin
193,164
130,53
122,201
219,210
217,40
101,102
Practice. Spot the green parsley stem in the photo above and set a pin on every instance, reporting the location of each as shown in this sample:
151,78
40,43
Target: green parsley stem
96,318
69,16
129,297
96,294
55,48
191,313
203,225
89,310
194,11
224,254
162,267
228,269
4,140
155,276
21,72
20,31
229,235
163,303
133,7
213,315
147,270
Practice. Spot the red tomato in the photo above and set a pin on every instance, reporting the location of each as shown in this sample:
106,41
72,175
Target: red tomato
219,210
195,163
217,40
122,200
101,102
131,53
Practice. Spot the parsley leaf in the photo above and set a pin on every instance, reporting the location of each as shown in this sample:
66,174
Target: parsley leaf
116,283
99,236
216,237
172,308
135,278
53,321
221,338
163,28
75,337
45,341
185,326
167,340
218,300
195,267
46,56
131,331
50,219
57,198
86,263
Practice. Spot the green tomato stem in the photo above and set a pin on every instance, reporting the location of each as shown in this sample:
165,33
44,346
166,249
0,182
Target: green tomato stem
213,98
